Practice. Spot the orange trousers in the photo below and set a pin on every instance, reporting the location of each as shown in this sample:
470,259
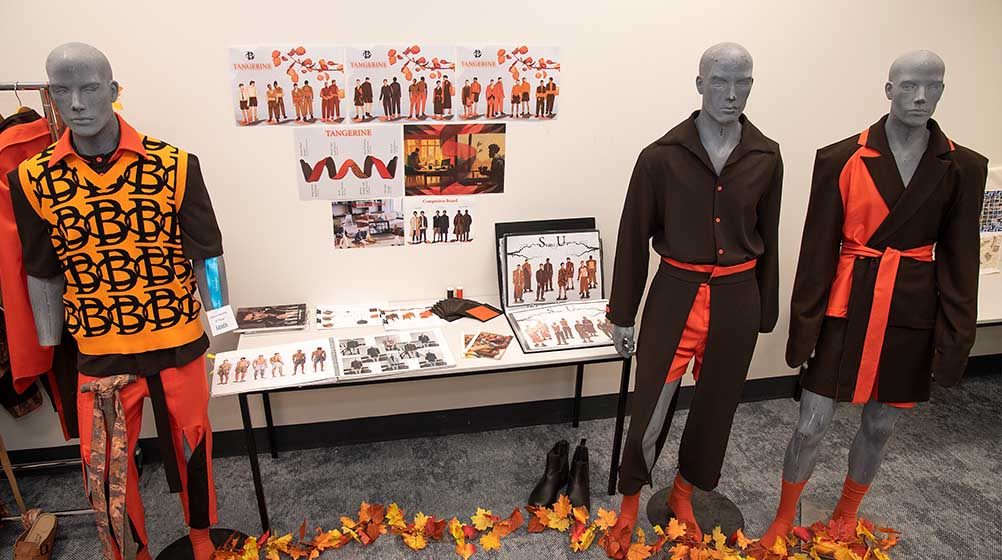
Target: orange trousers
187,396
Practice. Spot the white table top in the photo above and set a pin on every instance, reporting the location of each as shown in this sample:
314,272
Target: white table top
453,332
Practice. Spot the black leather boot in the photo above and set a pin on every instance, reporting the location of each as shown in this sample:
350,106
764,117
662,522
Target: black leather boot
578,489
554,478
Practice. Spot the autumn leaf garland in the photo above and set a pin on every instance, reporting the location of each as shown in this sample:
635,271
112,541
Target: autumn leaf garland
836,540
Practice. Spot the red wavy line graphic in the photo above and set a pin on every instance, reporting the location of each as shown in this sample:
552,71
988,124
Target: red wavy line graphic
312,174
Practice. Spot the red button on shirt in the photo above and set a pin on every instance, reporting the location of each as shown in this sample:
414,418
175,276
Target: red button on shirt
719,188
717,220
720,251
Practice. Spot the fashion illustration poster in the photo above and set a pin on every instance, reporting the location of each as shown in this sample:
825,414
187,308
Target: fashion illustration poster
501,81
455,159
273,367
552,267
349,163
287,84
361,224
562,326
403,81
439,220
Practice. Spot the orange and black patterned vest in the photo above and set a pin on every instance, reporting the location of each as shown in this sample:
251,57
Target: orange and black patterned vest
129,288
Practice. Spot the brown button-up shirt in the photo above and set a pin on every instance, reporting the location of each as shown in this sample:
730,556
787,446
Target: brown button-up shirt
676,198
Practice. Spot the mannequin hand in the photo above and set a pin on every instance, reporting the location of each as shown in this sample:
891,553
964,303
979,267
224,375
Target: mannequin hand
623,338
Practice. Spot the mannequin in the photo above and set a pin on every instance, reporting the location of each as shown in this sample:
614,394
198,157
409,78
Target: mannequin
110,221
884,196
708,193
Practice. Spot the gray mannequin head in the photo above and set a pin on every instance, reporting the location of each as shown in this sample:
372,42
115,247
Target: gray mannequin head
83,88
724,81
914,86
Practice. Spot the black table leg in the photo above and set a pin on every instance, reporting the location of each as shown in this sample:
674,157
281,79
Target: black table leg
617,437
577,395
262,507
266,401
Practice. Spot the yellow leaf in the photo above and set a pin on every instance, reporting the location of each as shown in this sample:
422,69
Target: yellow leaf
395,516
456,530
558,522
586,540
679,552
483,520
581,515
420,520
800,556
676,529
880,554
349,523
843,553
779,548
741,540
563,506
641,537
719,540
490,542
415,541
606,519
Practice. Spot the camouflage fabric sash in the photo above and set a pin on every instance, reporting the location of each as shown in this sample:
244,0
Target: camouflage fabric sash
108,432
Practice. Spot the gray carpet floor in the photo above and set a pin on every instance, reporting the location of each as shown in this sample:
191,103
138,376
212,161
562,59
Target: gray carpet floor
941,481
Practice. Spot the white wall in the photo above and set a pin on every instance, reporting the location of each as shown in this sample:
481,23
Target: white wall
819,74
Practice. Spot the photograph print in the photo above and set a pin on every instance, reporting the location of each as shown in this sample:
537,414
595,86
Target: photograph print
387,354
552,267
457,159
362,224
562,326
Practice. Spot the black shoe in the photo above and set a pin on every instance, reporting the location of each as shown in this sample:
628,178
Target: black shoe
578,489
554,478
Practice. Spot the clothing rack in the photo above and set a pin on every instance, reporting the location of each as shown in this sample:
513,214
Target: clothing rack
56,125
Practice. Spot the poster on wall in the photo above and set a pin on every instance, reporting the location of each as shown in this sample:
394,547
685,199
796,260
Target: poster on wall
439,220
273,367
389,82
991,223
393,353
349,163
287,84
552,267
454,159
562,326
501,81
366,224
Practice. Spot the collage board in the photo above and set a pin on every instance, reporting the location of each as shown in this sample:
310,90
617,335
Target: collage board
396,137
392,353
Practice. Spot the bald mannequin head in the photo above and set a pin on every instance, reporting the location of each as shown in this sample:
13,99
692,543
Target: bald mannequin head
914,87
725,81
83,89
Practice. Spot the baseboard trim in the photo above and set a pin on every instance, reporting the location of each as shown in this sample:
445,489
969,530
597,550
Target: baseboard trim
449,422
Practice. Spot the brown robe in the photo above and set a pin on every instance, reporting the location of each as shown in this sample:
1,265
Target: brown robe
675,197
857,197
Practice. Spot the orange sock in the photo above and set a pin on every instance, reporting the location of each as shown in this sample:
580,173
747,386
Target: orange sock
848,505
201,544
783,521
623,531
680,502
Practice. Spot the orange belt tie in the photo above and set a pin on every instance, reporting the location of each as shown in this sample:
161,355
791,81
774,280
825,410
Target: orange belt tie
714,270
883,289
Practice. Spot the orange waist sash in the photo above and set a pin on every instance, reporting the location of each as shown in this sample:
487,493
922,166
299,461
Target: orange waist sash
883,289
714,270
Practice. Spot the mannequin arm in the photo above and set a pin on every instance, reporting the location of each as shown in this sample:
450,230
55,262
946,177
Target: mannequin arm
624,340
210,275
46,295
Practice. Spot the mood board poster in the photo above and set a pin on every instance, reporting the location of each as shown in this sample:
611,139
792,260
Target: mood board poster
390,82
439,220
454,159
503,81
287,84
349,163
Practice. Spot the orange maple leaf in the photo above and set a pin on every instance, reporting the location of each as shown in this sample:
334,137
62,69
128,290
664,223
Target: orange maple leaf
558,522
581,514
535,525
563,506
490,541
415,541
740,539
466,550
675,530
679,552
606,519
638,551
483,519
